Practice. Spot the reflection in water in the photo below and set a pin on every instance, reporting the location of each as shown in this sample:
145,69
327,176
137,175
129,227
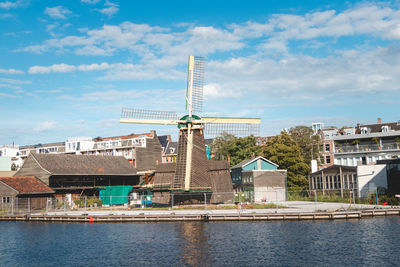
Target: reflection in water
194,243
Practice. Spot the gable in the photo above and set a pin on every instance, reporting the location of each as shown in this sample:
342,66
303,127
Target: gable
260,163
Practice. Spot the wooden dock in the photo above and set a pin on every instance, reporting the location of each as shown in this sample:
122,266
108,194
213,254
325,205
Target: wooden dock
207,217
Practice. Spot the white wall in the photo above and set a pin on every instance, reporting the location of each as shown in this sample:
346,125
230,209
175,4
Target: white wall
269,194
370,177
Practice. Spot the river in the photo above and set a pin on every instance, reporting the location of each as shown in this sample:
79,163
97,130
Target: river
367,242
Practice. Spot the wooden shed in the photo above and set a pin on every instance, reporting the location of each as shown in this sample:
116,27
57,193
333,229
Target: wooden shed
23,192
79,174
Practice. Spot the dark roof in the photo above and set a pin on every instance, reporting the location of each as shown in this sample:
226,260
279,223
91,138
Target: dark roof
247,161
172,148
163,141
214,165
166,167
57,164
377,127
344,168
26,184
42,145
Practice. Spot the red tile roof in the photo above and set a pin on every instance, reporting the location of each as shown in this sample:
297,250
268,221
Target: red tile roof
26,184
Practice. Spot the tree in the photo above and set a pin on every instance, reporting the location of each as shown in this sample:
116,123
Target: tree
307,141
236,149
285,152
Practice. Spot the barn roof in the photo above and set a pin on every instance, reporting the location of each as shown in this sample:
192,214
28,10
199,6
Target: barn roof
26,184
64,164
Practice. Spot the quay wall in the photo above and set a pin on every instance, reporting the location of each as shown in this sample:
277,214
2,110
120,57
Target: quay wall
85,218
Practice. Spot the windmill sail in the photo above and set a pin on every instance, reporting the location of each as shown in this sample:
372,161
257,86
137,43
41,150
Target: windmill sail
144,116
195,84
236,126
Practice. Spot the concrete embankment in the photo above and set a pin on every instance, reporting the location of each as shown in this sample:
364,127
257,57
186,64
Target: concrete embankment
204,216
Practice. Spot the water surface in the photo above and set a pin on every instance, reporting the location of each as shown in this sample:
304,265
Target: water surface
367,242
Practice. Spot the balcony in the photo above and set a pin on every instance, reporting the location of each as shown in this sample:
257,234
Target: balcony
366,148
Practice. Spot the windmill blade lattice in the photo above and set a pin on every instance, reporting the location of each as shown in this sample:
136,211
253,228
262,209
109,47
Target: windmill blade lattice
236,129
198,84
134,113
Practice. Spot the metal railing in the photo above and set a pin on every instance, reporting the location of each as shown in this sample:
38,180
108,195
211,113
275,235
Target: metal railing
246,199
367,147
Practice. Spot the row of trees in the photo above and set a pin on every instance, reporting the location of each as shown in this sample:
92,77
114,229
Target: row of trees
292,151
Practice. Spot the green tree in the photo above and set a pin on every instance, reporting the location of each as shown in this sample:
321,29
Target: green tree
236,149
307,141
285,152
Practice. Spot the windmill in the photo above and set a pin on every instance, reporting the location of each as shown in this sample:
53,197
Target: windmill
191,163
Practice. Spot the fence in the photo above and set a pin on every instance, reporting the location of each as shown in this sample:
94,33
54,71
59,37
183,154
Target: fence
167,200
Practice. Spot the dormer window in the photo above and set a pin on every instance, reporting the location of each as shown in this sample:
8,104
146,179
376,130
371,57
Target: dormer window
172,150
364,130
385,129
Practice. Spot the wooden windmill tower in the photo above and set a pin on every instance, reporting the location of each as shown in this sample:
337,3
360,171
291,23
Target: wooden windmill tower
191,163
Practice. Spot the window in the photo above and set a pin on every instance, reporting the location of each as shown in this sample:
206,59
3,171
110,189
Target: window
6,199
328,159
327,148
364,130
385,129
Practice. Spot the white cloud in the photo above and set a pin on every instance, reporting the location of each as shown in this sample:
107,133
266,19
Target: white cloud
5,95
12,81
53,68
92,2
57,12
45,126
10,71
110,8
7,5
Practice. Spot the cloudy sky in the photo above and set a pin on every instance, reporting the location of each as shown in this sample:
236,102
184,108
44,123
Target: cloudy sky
68,67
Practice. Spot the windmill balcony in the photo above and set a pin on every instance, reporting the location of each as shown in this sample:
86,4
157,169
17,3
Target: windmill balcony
366,147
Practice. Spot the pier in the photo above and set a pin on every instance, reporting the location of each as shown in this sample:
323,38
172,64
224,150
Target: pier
203,216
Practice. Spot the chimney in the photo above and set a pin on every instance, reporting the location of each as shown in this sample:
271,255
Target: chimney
379,120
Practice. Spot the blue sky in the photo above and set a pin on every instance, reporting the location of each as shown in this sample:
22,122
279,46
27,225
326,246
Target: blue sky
68,67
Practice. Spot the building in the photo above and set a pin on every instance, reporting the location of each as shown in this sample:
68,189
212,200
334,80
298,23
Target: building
368,144
339,180
23,192
170,153
393,175
259,180
79,174
144,151
160,185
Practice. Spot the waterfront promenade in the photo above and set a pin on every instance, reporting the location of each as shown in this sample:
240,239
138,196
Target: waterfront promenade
291,207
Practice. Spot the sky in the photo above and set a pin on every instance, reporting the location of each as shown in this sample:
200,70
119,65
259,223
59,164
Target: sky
67,68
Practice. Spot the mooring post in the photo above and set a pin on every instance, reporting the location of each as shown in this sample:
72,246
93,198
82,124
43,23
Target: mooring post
316,199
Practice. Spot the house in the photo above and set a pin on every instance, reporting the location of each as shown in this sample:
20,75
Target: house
339,179
79,174
170,153
23,192
259,180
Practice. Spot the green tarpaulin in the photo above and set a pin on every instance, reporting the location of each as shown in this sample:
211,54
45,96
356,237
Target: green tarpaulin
115,195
